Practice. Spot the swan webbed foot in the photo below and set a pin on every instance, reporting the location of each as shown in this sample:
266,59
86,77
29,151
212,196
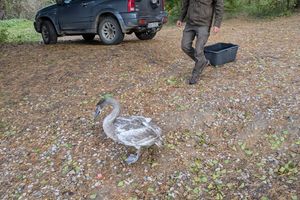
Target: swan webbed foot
133,158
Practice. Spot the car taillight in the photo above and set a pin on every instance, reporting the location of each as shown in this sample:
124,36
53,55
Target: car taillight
142,22
163,4
131,5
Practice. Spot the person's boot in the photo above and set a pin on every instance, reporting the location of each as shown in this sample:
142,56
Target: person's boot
196,73
195,76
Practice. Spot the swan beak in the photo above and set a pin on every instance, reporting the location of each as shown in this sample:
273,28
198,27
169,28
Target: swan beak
97,112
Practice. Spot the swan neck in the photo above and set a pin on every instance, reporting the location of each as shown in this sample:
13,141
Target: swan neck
108,125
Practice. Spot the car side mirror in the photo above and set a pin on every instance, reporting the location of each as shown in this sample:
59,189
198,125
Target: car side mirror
59,2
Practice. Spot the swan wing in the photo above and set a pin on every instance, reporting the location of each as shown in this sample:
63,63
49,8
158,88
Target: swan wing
131,122
137,131
144,136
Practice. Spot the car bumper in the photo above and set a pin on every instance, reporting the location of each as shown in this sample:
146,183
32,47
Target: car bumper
134,23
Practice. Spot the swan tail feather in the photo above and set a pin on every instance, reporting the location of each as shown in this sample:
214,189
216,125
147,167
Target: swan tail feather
160,142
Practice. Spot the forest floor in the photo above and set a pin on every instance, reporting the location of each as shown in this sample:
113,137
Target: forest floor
234,135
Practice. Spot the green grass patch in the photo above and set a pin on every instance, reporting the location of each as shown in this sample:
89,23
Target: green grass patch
18,31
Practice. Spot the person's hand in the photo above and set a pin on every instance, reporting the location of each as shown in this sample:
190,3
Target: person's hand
216,29
179,23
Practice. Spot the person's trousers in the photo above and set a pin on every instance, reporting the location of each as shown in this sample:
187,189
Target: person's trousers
197,54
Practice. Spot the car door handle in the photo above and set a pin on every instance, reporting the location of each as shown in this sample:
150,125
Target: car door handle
84,4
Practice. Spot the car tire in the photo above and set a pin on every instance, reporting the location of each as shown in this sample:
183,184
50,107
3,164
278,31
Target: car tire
88,37
148,35
109,31
48,33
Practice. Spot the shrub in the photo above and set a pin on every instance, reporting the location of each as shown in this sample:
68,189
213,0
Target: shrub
23,8
18,31
270,8
174,10
3,35
257,8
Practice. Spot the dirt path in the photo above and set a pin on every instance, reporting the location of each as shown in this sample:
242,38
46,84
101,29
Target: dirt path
235,135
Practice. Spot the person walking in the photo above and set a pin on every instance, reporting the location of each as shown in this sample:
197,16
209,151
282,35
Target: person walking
199,14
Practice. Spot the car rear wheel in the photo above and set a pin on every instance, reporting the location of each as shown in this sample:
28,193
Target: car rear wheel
88,37
48,33
110,31
148,35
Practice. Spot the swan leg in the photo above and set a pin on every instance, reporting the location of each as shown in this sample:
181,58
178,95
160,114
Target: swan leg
133,158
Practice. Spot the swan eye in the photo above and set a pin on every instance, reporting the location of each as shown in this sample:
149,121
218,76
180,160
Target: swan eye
97,111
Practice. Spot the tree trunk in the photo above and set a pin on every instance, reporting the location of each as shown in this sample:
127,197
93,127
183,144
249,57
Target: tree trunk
2,13
287,4
298,4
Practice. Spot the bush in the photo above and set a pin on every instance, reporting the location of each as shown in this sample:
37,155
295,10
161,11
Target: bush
18,31
174,10
270,8
22,8
3,35
256,8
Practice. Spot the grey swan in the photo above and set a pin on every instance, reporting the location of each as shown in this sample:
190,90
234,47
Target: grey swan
134,131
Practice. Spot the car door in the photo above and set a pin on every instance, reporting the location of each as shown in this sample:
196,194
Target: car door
149,8
76,15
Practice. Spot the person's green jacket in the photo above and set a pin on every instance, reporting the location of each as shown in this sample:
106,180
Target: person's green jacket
201,12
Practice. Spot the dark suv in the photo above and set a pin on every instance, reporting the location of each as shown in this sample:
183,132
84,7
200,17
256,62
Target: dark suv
110,19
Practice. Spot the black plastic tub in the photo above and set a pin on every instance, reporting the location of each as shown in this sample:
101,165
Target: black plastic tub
221,53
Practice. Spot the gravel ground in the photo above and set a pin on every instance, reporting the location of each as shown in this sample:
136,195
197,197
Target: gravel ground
235,135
